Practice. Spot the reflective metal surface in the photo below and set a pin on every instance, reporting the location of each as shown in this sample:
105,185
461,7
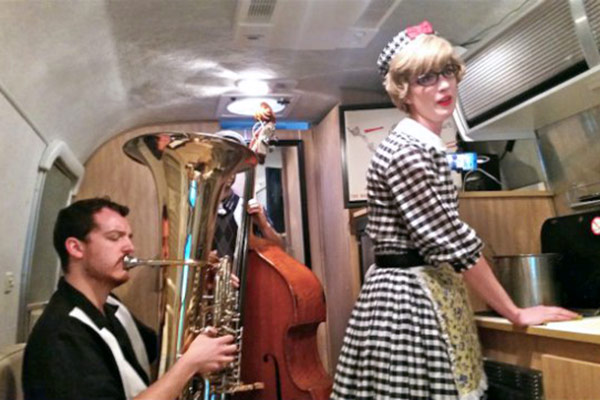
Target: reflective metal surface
190,170
570,151
529,279
219,307
132,262
585,32
539,46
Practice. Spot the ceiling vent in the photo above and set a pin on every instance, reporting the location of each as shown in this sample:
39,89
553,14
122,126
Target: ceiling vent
310,24
260,11
529,60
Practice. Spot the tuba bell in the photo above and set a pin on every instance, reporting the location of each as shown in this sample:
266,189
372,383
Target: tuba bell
190,171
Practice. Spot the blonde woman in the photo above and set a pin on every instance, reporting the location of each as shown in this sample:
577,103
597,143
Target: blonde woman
411,334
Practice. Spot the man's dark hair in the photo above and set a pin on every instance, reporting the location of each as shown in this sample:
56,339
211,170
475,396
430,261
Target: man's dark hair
77,220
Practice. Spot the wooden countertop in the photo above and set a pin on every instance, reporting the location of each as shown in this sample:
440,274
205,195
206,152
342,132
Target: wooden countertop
584,330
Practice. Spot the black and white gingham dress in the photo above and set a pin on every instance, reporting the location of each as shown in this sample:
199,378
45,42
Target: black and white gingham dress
395,346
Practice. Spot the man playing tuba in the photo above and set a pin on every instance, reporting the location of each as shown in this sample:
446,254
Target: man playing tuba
86,344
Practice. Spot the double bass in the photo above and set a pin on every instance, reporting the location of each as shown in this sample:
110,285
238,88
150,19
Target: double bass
283,304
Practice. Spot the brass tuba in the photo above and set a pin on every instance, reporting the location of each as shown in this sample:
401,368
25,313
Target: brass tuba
190,170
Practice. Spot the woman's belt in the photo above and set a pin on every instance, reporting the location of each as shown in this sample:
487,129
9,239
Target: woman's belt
411,258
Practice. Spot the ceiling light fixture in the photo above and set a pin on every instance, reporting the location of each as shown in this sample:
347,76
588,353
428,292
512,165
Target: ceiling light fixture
248,106
253,87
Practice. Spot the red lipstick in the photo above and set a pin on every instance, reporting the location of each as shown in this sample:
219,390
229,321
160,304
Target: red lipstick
445,101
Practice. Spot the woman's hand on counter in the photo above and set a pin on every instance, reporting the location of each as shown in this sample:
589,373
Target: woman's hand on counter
541,314
482,280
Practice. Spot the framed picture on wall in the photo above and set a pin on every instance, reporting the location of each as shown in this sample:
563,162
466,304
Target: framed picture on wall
362,128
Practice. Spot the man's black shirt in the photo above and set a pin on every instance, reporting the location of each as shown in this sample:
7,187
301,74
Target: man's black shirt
67,360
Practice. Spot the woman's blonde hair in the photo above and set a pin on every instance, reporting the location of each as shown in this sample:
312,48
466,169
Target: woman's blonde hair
425,53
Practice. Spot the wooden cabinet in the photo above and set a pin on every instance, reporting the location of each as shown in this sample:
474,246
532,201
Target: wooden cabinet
567,378
508,222
568,354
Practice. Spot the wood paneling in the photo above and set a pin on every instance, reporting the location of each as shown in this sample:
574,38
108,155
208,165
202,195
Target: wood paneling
565,378
527,350
313,171
508,224
331,240
571,369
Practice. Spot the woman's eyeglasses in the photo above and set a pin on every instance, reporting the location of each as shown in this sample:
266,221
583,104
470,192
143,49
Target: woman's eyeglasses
431,78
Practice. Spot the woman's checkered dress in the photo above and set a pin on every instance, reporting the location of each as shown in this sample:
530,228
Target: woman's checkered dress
411,334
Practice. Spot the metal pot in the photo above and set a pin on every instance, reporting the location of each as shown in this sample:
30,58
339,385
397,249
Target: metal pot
530,279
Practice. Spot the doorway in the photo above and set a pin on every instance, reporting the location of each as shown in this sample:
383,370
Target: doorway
280,186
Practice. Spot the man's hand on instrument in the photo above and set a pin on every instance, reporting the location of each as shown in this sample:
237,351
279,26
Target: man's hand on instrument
257,211
209,353
270,235
213,258
235,281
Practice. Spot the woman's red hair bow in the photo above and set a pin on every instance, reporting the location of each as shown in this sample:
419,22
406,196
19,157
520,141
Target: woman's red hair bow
423,28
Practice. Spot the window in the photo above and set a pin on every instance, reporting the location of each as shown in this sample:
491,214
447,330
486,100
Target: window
59,174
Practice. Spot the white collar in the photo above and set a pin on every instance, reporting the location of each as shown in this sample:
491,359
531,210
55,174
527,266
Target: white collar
411,127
